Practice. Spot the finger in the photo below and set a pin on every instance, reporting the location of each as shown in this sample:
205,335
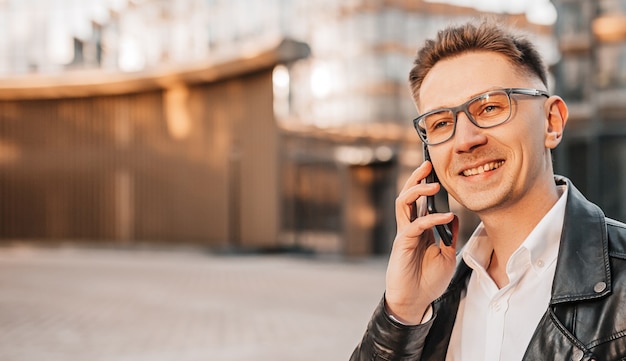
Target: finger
413,211
408,202
420,233
406,208
428,221
418,174
415,236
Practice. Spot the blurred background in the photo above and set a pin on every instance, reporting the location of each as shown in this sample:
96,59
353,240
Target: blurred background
246,124
256,126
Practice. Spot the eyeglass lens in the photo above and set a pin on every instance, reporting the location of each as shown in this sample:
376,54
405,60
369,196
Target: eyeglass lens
487,110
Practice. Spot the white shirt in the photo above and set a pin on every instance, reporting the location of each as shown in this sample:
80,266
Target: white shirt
495,324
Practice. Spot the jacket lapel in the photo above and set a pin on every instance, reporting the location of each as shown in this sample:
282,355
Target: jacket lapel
582,273
582,270
552,339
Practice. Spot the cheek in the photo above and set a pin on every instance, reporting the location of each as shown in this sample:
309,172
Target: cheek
441,164
529,145
529,128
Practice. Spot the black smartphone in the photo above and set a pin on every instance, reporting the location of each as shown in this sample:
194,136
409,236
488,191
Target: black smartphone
438,203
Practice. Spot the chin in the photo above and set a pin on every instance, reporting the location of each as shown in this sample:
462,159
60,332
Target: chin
486,196
481,203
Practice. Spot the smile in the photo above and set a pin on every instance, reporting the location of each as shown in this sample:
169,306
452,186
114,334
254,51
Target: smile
483,168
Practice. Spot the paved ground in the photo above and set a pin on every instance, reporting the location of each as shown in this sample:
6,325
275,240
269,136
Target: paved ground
134,305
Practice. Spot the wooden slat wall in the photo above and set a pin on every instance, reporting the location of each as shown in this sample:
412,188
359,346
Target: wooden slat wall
194,165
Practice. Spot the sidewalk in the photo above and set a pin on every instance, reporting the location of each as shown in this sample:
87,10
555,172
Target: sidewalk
134,305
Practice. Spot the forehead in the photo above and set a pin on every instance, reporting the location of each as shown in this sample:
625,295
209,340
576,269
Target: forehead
454,80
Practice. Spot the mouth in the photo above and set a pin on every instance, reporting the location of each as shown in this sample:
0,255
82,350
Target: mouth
487,167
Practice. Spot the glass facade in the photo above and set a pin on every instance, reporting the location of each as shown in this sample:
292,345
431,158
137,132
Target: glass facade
362,50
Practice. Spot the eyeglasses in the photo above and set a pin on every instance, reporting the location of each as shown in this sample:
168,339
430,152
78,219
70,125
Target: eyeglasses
484,111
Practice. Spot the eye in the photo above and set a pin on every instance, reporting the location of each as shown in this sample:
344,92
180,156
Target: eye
439,121
489,105
490,108
443,124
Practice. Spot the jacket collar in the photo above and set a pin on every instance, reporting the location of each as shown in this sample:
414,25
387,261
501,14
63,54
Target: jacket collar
583,270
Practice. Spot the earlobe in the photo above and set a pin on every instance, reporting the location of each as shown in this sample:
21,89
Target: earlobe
556,118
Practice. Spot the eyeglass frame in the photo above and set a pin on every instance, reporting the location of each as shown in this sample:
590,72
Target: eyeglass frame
464,108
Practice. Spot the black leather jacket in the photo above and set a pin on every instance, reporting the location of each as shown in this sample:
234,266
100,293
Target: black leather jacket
586,317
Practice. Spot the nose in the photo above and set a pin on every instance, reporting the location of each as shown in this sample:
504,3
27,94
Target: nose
467,135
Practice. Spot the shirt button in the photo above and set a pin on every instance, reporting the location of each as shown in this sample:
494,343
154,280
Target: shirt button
499,306
578,355
599,287
540,263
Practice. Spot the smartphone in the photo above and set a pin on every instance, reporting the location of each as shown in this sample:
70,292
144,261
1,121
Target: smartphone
438,203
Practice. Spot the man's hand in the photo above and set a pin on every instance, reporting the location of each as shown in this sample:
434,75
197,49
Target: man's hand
419,271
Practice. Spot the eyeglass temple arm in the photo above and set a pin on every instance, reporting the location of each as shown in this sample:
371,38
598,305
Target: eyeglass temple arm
526,91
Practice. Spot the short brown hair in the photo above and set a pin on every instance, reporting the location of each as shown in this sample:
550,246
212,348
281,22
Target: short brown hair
484,35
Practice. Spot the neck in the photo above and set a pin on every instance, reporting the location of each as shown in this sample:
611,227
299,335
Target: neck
508,227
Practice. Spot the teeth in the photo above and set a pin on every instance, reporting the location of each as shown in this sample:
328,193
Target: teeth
483,168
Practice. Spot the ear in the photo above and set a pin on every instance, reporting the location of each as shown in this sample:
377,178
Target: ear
556,118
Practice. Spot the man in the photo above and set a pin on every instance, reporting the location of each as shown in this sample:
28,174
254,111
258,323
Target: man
543,276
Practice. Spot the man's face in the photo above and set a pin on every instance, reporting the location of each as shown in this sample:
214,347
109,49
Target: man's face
489,169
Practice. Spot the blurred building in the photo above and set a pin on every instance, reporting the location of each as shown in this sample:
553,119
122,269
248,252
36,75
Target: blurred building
591,77
178,156
204,121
